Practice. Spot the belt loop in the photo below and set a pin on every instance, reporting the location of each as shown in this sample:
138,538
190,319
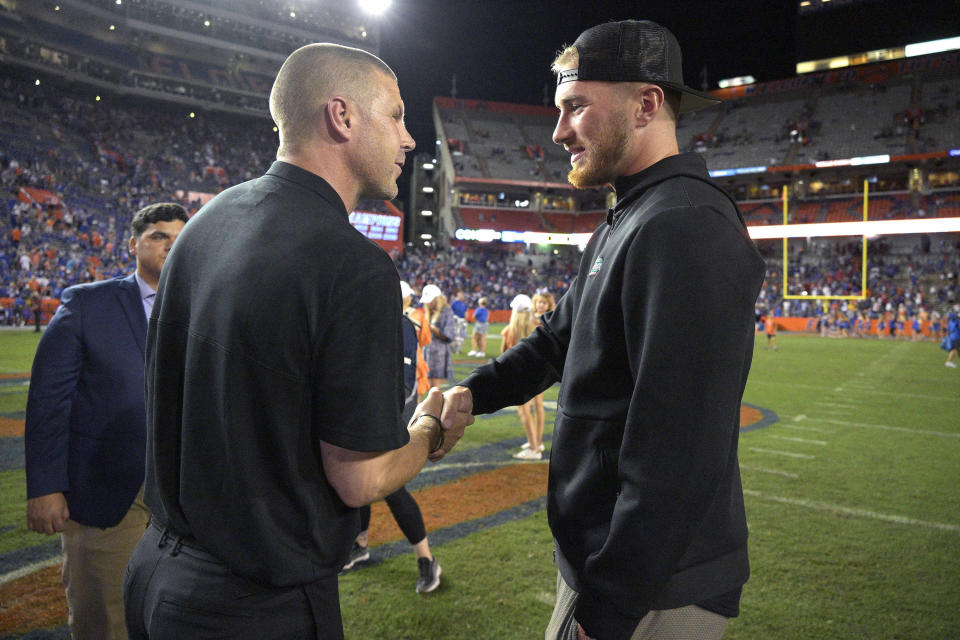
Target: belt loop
176,547
164,536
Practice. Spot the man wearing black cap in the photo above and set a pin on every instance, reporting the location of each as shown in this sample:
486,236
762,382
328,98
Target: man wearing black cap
644,502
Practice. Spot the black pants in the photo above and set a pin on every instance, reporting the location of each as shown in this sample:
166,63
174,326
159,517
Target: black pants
405,511
175,590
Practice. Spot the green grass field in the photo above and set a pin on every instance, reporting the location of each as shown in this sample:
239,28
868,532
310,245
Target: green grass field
853,500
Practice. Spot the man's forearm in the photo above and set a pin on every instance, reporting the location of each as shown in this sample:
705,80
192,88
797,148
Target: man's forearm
362,477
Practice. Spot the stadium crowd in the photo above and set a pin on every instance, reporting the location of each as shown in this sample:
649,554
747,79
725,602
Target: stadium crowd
74,168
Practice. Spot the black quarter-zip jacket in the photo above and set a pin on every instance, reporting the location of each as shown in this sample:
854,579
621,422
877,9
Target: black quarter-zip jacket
652,345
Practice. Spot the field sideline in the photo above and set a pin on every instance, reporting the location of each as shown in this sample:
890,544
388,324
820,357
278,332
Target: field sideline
852,501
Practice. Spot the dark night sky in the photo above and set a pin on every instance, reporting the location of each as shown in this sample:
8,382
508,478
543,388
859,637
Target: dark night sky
502,49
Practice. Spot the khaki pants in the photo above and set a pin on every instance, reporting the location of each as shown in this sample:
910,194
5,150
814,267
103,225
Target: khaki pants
686,623
94,563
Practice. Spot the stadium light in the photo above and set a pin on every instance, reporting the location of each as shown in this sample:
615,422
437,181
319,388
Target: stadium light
739,81
869,229
933,46
427,189
374,7
426,212
427,165
426,236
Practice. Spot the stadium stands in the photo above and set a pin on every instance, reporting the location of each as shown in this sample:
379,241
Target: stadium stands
76,164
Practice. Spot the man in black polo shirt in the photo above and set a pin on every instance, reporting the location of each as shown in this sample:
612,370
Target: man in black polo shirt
273,399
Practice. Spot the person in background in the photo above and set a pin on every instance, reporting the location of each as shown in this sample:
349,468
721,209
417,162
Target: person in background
404,508
442,330
520,326
459,308
481,325
770,326
273,415
919,324
85,427
951,342
644,497
36,308
459,305
543,302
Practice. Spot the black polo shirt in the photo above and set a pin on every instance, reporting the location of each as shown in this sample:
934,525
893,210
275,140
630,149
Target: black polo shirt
276,326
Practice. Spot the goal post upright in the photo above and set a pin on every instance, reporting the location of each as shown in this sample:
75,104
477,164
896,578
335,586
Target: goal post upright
863,253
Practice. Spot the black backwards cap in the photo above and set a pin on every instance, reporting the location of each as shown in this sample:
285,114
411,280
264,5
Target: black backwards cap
634,51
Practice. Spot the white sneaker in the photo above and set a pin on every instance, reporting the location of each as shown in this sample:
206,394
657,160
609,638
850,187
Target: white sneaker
526,445
952,365
470,354
528,454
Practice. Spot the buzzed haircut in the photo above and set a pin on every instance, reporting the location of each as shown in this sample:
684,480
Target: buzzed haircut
309,77
154,213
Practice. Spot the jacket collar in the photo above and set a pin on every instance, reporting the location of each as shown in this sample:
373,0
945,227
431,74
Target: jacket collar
309,181
630,187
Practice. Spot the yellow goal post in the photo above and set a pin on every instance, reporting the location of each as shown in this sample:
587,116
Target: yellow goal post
786,244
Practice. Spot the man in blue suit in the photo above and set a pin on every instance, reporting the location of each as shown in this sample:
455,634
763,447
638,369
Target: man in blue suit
85,427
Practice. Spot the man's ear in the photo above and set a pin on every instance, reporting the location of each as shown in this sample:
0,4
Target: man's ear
339,118
132,245
648,100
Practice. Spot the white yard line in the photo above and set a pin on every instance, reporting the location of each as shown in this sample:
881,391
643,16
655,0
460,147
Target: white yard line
30,568
838,405
803,440
776,472
789,454
466,465
870,389
799,428
852,511
886,427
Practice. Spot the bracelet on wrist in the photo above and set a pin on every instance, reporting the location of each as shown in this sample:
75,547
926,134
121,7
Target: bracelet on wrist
439,444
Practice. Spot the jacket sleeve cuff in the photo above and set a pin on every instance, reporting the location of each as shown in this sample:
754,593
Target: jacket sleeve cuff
602,621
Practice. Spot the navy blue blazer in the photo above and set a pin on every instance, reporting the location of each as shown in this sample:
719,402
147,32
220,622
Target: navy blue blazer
86,422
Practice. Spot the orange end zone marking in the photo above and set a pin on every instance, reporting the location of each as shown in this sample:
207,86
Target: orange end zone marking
34,601
11,427
749,415
465,499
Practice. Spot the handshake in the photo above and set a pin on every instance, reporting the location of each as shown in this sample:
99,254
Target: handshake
454,411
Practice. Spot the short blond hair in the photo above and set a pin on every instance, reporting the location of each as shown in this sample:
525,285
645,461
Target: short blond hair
567,58
309,77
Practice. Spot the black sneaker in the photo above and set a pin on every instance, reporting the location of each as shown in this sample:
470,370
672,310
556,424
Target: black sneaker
358,553
429,575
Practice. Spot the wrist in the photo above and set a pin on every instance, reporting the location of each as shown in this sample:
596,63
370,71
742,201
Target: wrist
436,439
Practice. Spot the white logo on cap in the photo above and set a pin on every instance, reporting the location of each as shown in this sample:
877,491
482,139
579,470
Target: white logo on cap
568,75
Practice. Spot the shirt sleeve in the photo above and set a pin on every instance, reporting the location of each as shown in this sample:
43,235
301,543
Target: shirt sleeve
360,365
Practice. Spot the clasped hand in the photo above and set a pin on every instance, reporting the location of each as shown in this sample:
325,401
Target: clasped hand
454,410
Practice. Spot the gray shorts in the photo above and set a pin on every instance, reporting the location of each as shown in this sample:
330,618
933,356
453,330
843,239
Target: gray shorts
480,328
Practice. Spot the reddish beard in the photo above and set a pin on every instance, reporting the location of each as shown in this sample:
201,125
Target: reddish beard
598,165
